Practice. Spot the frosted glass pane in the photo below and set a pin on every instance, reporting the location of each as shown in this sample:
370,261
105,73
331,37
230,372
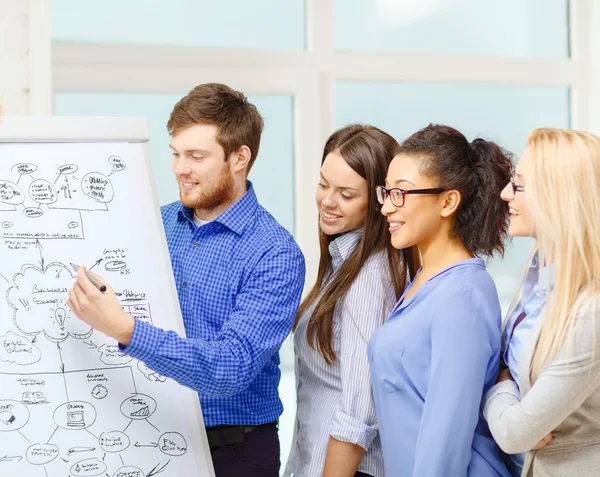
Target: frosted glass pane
510,28
505,114
259,24
274,162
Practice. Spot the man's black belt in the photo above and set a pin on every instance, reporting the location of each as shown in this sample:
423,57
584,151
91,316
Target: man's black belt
219,436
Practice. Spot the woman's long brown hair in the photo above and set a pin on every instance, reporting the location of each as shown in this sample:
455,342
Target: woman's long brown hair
368,151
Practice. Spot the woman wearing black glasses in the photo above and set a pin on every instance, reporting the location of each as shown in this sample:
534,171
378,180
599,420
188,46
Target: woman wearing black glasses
438,353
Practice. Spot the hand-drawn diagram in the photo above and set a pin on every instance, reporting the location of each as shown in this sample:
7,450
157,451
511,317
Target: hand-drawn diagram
71,401
51,207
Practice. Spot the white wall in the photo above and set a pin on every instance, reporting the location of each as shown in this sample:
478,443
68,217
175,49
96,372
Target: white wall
25,74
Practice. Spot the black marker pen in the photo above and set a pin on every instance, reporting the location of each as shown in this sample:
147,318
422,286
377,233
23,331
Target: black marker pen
97,284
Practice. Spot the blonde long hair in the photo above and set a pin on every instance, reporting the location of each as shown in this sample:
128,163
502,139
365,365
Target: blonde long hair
562,173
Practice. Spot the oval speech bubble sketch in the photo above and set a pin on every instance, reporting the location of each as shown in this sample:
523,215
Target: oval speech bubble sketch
138,406
75,415
33,212
98,187
13,415
43,192
128,471
114,441
25,169
172,443
11,193
67,169
117,163
88,467
41,454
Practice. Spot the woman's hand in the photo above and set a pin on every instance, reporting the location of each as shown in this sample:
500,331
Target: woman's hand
544,442
506,376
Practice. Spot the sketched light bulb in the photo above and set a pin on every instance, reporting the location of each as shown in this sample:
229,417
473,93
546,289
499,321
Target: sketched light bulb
60,315
7,417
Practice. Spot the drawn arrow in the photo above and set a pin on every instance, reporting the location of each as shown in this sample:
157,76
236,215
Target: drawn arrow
11,458
4,278
34,338
62,369
91,344
152,444
97,262
62,364
157,470
39,247
64,460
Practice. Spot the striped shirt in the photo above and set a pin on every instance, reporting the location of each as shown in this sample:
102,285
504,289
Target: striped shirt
336,400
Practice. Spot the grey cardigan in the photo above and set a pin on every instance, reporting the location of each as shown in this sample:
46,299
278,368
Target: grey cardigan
565,400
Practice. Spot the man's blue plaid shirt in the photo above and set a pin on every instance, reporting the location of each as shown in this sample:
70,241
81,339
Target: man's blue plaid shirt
239,279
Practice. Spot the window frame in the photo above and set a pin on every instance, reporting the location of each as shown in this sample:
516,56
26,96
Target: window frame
310,77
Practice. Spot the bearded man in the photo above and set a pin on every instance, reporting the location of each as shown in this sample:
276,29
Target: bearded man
239,276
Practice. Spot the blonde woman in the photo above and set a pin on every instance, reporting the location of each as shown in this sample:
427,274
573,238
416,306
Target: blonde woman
553,412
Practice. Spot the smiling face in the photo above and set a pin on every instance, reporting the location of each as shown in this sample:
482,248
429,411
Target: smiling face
204,176
421,216
342,196
521,220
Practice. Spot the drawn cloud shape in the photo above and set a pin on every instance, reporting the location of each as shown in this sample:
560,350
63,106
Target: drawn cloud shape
150,374
38,299
111,354
18,349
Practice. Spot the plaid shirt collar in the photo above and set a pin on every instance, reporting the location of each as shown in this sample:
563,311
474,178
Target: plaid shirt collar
235,217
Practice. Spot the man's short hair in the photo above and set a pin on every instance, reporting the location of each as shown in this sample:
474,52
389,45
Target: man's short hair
238,121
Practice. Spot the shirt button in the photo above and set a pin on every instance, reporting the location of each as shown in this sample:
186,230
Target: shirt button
195,244
184,284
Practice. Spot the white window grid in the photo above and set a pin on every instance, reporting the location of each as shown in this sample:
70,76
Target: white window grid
310,77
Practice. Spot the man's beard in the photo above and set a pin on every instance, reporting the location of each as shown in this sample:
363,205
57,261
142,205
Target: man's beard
211,195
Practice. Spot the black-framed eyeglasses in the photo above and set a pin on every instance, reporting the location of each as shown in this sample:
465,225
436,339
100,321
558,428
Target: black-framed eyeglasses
516,188
397,196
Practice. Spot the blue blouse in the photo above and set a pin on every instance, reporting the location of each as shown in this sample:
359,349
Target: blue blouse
533,298
431,364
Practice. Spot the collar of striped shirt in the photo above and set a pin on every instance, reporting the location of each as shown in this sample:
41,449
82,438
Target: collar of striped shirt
344,245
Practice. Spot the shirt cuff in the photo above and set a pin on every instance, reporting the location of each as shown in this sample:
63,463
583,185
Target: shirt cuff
505,387
144,341
347,428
